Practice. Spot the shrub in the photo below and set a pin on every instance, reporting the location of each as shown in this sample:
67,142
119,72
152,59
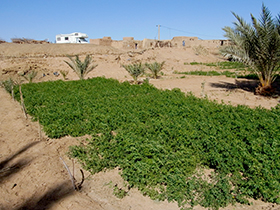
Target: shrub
155,68
135,70
79,67
30,75
8,85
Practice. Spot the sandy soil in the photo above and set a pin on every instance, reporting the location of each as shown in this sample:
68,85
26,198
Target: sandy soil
32,175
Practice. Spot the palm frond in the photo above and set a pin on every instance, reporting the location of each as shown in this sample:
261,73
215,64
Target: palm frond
81,68
256,44
135,70
155,68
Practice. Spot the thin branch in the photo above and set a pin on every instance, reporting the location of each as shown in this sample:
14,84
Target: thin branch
39,129
83,179
71,177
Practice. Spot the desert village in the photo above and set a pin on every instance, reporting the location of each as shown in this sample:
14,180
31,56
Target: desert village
179,41
128,42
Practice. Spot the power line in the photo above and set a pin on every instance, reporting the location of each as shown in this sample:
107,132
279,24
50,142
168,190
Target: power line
186,31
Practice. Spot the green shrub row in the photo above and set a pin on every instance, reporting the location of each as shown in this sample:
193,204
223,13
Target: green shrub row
210,73
216,73
221,65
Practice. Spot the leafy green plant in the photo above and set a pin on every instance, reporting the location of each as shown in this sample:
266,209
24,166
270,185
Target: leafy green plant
155,68
216,73
81,68
159,139
228,65
194,63
208,73
256,45
119,192
222,65
135,70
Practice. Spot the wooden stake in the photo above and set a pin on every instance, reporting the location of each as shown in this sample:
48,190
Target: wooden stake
22,102
39,129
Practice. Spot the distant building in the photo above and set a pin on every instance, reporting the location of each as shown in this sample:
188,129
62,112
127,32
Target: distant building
71,38
178,42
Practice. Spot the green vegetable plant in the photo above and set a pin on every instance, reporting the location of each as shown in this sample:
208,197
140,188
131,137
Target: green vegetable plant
163,141
235,74
208,73
119,192
221,65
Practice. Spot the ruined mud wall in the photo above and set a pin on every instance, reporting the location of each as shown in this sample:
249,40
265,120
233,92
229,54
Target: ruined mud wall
179,42
105,41
183,41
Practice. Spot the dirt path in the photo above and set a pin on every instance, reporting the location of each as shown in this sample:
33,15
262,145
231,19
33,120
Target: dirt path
31,173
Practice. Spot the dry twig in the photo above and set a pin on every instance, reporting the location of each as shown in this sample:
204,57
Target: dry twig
77,186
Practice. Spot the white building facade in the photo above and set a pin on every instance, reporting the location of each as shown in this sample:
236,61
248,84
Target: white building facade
76,37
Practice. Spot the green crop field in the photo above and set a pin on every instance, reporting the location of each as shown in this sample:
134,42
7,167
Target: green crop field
222,65
162,140
220,73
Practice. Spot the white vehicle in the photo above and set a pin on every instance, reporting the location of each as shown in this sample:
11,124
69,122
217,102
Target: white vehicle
71,38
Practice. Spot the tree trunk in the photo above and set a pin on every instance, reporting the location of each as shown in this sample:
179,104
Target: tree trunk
266,90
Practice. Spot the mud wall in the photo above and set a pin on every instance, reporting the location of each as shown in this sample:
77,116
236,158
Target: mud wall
180,42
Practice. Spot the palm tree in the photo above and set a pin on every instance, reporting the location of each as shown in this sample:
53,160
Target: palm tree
135,70
155,68
258,46
30,76
79,67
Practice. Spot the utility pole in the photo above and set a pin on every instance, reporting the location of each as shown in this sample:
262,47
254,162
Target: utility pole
158,31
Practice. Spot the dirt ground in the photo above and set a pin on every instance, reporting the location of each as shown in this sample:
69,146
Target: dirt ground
32,175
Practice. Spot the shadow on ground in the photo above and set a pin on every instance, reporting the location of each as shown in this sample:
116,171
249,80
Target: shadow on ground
47,200
7,169
10,166
248,86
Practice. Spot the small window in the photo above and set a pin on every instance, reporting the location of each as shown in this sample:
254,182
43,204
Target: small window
66,38
76,34
58,39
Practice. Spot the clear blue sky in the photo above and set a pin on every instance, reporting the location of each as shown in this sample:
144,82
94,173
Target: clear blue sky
43,19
